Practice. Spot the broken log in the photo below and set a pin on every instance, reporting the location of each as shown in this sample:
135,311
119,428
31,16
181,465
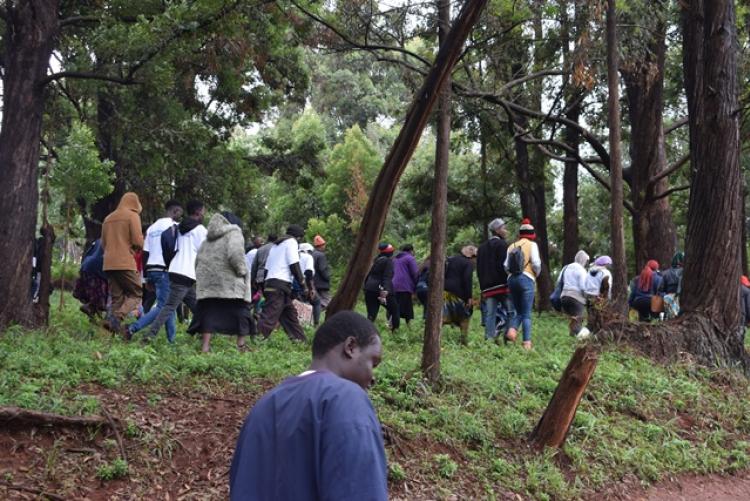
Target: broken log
18,416
552,428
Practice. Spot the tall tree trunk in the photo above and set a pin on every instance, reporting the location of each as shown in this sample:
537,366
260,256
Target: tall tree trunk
709,328
385,185
743,241
654,232
31,28
571,137
714,210
619,266
434,324
106,111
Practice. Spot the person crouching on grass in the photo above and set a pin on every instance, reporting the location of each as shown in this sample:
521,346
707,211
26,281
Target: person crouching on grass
316,435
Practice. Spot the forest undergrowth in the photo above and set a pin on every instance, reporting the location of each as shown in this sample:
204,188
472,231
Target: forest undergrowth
639,422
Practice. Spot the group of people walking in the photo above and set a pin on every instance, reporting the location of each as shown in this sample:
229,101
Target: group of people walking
206,269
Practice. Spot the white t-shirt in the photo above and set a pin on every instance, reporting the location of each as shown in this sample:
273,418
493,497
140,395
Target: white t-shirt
152,242
250,258
306,262
187,246
280,258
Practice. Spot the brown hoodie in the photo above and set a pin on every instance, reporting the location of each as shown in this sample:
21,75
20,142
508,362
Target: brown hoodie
122,234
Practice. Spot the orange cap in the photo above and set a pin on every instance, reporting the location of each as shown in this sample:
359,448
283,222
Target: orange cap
318,241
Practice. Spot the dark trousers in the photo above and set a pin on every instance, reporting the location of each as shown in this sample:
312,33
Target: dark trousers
405,306
372,301
642,305
278,308
178,293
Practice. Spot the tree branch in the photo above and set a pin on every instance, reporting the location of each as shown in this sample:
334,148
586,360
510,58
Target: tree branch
670,191
343,36
669,170
85,75
540,145
73,20
679,123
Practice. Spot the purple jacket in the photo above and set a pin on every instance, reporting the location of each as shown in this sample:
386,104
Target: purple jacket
405,273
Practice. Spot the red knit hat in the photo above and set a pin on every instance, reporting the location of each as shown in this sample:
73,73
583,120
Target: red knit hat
527,230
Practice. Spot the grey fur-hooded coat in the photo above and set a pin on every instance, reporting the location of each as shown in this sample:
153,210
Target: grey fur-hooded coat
220,267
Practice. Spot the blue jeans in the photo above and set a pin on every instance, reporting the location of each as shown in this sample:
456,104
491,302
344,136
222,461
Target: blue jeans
522,293
160,281
490,313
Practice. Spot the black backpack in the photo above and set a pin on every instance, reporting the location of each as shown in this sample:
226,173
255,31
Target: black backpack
516,261
168,244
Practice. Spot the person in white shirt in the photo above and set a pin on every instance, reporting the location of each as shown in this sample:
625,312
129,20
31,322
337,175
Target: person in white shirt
307,264
250,256
573,296
598,276
282,264
156,269
190,235
522,283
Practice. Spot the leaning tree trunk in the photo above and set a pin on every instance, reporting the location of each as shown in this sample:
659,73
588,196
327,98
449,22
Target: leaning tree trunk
434,324
382,192
619,266
30,32
654,232
709,329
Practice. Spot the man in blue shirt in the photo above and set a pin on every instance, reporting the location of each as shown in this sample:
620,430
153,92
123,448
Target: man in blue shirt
316,436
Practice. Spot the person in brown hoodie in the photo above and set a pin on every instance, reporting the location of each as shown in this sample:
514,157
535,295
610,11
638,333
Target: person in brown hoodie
121,238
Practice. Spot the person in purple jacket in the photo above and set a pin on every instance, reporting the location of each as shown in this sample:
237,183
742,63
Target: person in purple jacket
405,275
316,436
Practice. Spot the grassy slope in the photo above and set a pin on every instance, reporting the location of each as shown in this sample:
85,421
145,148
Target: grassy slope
637,418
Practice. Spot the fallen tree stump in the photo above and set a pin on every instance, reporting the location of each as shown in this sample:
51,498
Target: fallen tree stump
552,428
17,415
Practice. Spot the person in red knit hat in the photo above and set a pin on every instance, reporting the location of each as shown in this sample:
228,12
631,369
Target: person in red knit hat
523,264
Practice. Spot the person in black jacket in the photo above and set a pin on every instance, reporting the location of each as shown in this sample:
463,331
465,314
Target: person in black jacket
379,286
458,304
322,278
493,280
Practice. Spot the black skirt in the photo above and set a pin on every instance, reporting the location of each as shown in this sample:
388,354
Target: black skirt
405,305
223,316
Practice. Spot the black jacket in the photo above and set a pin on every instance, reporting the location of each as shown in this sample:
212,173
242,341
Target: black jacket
458,272
380,276
490,259
744,304
322,271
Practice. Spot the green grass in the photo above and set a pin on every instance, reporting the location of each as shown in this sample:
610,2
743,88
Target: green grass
637,418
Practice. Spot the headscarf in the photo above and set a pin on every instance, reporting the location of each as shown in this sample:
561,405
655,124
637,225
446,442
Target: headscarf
647,274
469,251
581,258
603,261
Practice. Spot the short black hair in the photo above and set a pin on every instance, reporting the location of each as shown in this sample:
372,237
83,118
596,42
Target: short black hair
340,326
193,207
407,247
172,203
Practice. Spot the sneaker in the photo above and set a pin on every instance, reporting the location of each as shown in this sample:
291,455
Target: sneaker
527,345
584,333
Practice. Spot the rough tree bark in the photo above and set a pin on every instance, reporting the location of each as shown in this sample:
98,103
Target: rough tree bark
552,428
31,28
434,323
619,266
571,137
709,329
384,187
654,232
